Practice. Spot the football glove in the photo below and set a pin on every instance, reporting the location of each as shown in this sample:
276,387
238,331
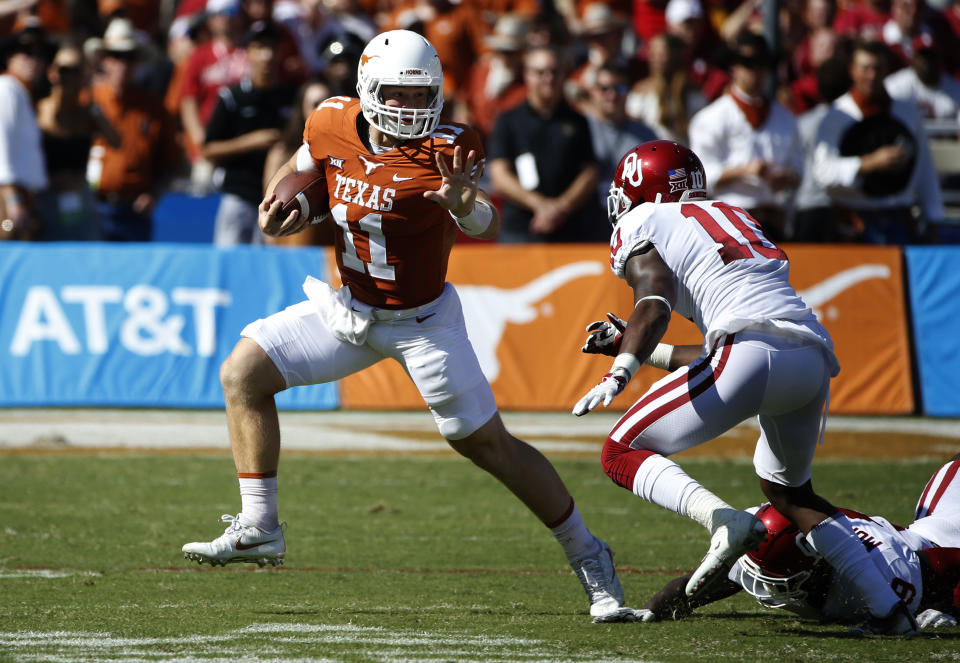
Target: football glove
931,618
605,337
610,385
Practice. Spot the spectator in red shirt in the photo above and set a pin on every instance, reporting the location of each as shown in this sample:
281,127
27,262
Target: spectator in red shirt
862,19
214,64
686,20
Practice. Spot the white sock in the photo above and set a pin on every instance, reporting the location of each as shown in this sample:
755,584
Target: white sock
258,499
835,540
663,482
707,509
574,537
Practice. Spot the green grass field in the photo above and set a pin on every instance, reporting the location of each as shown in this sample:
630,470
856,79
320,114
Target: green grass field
388,559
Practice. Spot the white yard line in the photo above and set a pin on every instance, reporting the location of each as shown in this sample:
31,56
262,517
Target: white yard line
272,641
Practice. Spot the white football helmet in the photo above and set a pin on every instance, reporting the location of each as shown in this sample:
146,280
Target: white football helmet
400,57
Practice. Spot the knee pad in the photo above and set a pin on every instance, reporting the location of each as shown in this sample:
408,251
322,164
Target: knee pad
621,463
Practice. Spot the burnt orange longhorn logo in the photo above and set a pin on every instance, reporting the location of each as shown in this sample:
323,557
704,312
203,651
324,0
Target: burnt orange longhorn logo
364,59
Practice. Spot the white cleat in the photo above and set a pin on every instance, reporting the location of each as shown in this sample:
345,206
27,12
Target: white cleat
240,543
599,579
741,533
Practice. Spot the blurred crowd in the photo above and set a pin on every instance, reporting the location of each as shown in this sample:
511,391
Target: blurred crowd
813,115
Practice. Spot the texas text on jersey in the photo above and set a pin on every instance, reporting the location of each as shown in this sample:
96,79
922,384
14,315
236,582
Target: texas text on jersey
377,203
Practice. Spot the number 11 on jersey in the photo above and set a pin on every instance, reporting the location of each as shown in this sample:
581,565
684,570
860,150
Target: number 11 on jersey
371,226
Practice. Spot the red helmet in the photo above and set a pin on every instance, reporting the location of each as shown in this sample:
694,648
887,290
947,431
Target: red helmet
656,168
778,572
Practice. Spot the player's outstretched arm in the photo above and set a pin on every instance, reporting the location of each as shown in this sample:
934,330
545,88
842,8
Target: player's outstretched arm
460,195
655,291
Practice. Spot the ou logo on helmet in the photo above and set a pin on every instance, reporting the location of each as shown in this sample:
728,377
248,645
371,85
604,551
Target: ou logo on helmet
632,172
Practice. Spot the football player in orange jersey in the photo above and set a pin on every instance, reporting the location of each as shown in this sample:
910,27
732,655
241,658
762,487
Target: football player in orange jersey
401,187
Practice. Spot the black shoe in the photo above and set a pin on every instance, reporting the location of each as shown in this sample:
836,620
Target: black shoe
900,621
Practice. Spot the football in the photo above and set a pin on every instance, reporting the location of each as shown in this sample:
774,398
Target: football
305,191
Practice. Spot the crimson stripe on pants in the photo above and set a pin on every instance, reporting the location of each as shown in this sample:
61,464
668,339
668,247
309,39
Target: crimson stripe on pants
708,381
944,484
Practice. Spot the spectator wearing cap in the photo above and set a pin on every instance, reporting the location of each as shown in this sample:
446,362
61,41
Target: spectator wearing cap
541,161
602,31
342,56
496,80
613,133
925,83
22,167
748,142
686,20
213,64
873,158
128,177
246,122
291,68
666,99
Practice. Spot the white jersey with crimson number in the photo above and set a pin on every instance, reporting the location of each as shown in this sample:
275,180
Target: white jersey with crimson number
729,275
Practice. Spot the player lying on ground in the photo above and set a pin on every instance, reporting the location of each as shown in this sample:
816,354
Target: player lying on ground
401,187
786,573
765,355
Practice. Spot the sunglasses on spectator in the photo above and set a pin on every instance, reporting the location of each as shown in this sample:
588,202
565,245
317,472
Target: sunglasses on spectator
127,56
68,70
544,72
619,88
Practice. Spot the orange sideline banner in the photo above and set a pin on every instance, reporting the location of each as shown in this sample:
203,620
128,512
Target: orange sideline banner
526,307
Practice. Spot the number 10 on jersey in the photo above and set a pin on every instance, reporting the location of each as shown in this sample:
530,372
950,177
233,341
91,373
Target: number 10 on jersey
743,242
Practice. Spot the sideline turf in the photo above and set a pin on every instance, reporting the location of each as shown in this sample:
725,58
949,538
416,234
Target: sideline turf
402,559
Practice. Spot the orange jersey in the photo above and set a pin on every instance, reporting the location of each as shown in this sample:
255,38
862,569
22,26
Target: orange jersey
392,243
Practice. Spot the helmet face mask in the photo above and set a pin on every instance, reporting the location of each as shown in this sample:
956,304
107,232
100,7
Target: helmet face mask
785,568
402,58
654,172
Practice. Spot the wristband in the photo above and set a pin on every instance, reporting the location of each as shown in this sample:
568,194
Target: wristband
661,356
627,362
477,221
656,297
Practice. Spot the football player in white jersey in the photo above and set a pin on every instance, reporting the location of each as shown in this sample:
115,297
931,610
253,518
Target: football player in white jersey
785,572
764,355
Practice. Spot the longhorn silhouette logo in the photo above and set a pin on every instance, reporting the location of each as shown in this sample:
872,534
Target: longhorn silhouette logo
369,165
487,309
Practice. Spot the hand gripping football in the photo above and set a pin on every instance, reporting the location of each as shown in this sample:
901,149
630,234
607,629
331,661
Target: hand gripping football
305,191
